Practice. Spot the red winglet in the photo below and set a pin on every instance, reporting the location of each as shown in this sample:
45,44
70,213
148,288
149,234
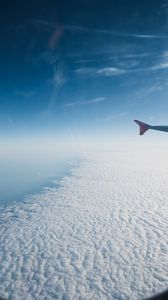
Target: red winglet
143,127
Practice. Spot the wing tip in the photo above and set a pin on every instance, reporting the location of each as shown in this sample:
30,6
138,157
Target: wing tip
143,126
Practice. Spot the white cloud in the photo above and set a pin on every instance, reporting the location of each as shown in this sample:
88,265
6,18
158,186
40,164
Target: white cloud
160,66
85,102
46,25
147,36
110,71
133,35
101,235
115,33
163,64
107,71
165,54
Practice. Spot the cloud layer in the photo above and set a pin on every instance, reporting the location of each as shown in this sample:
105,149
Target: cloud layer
101,235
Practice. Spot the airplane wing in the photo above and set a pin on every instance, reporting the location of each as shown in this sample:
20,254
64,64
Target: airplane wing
143,127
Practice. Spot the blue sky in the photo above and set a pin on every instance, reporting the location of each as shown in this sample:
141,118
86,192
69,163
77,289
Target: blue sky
83,68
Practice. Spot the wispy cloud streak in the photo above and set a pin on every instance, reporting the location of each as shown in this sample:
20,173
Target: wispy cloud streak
85,102
75,28
110,71
115,33
160,66
107,71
